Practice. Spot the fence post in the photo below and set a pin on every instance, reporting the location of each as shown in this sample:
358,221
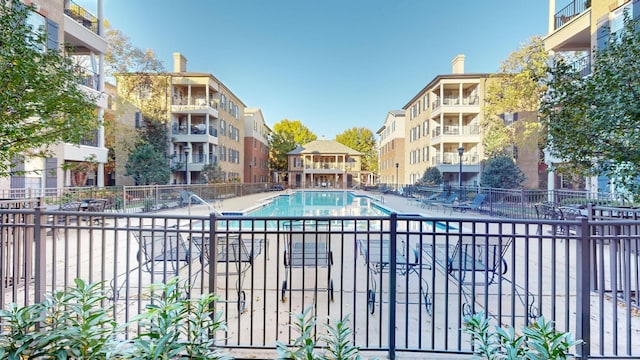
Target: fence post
583,278
213,243
40,257
393,232
124,199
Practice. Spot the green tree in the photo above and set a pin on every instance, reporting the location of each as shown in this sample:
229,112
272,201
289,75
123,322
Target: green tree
593,122
148,165
212,174
40,101
431,176
122,58
286,135
279,147
501,172
294,130
362,140
517,87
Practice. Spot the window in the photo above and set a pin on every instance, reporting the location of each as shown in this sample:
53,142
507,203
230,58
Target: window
425,102
425,128
223,127
223,102
425,154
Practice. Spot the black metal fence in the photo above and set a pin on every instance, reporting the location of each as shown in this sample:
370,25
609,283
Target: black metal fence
582,274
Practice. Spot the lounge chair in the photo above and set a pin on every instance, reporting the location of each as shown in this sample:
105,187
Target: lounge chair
434,198
449,201
475,205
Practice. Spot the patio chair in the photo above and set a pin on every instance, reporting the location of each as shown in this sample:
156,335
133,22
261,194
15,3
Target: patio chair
160,252
306,246
235,255
437,197
474,205
476,262
65,219
449,201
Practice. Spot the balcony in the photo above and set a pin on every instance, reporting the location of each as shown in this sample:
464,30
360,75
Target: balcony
324,167
81,30
82,16
197,133
197,105
572,28
454,158
567,13
582,65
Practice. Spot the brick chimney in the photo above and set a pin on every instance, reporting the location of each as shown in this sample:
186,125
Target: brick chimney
457,64
179,62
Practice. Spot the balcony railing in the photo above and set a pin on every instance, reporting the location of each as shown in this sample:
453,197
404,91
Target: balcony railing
196,129
471,130
82,15
195,102
451,130
582,65
576,7
88,77
436,132
90,139
454,158
324,166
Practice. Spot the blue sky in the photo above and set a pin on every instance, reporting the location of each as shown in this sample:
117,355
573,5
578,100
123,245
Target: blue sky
332,64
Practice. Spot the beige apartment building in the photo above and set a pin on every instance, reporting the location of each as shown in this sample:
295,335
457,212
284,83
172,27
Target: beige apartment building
576,27
256,146
205,121
207,125
391,150
443,127
68,23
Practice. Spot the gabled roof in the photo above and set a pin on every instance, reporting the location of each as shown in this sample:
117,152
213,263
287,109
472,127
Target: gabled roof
323,147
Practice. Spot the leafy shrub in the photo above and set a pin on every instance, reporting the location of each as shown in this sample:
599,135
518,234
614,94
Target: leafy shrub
338,345
501,172
538,341
432,176
75,324
173,327
148,204
67,324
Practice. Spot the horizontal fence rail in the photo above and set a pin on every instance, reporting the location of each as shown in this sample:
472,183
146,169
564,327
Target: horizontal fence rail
581,274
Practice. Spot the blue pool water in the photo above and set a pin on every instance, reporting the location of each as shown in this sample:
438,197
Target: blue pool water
320,203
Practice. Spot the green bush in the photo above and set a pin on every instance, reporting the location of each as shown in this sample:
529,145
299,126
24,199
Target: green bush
174,327
75,324
337,342
538,341
67,324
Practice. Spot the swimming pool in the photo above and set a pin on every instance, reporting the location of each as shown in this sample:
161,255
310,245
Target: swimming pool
320,203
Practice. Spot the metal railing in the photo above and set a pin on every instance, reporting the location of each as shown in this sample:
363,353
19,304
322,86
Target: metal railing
574,8
444,269
82,15
582,65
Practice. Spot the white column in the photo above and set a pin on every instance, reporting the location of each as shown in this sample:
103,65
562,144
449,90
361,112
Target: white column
552,16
